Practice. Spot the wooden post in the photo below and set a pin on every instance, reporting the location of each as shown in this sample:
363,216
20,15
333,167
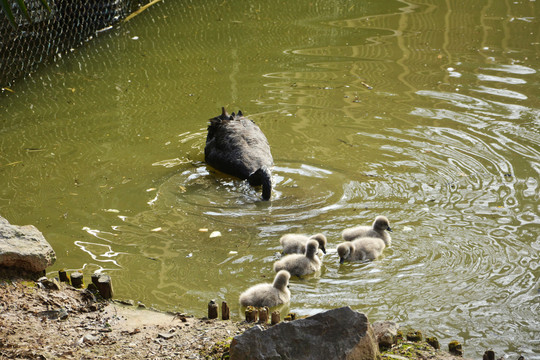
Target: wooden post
276,317
225,313
434,342
76,279
104,286
251,314
263,315
415,336
212,310
454,348
95,277
62,275
489,355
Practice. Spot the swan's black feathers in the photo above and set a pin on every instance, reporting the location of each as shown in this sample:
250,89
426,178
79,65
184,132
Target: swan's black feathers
236,145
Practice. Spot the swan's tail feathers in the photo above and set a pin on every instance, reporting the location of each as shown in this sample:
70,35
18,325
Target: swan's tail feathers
263,177
224,114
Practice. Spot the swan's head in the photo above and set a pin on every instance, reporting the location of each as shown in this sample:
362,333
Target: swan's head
282,280
344,250
321,239
381,223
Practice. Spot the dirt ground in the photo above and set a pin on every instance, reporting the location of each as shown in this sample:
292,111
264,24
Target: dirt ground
37,323
67,323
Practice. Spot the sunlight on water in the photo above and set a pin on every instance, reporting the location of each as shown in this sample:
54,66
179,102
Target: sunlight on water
427,113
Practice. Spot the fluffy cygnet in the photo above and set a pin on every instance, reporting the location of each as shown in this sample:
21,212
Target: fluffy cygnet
296,243
299,264
366,248
270,295
379,229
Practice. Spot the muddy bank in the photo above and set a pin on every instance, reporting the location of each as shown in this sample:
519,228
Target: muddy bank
69,323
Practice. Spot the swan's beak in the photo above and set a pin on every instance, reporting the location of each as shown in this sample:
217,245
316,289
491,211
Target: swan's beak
389,229
323,250
341,260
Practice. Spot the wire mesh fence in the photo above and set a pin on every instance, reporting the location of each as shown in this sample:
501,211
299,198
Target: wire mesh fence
68,24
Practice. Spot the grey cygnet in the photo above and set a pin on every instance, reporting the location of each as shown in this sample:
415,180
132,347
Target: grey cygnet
270,295
300,265
366,248
379,229
296,243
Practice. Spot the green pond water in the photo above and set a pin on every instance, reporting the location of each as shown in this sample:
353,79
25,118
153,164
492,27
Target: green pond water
425,111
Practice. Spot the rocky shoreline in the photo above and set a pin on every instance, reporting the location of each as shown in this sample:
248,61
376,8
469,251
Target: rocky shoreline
40,321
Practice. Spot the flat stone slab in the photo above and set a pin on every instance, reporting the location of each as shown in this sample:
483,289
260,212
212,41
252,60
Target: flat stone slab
24,247
334,334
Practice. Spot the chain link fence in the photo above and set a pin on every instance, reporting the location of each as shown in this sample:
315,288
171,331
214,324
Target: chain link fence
69,24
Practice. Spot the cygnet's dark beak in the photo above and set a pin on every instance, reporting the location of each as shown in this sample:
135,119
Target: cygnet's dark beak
323,250
341,260
389,229
288,286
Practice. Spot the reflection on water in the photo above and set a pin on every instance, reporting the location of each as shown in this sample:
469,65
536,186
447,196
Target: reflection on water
426,112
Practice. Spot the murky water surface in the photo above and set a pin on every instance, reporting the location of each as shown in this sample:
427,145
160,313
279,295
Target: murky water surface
427,112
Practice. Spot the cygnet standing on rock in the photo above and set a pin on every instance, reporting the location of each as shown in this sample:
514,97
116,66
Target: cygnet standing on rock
270,295
366,248
380,229
235,145
300,265
296,243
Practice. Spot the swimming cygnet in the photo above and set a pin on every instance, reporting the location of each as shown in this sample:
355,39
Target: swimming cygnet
296,243
270,295
366,248
299,264
380,229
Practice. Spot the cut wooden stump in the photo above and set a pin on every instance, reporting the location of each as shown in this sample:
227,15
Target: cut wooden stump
76,279
63,276
251,314
276,317
263,315
104,286
225,312
212,310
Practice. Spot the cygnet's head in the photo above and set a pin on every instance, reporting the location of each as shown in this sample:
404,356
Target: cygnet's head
281,280
344,250
321,240
381,223
311,248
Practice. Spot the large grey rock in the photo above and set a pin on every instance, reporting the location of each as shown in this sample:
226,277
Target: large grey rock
24,247
335,334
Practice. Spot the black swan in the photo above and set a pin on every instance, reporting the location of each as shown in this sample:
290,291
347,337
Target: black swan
235,145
